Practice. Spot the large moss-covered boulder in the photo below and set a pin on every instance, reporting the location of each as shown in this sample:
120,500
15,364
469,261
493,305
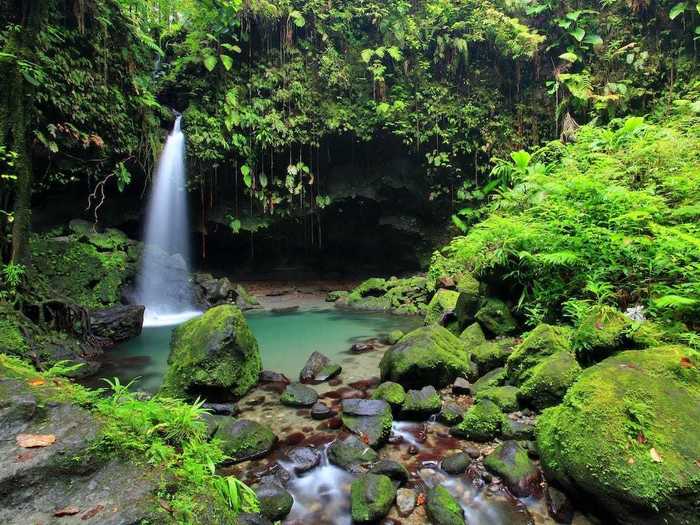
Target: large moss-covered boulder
214,356
494,315
392,393
442,507
506,397
626,436
430,355
242,439
510,461
544,340
482,422
469,300
473,335
371,497
442,303
601,333
492,354
548,381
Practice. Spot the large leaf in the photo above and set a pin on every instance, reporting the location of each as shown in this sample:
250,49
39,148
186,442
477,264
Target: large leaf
677,10
569,57
227,61
521,159
210,62
593,39
578,33
366,55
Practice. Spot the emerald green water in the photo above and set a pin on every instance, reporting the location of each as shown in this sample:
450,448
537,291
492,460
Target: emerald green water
285,339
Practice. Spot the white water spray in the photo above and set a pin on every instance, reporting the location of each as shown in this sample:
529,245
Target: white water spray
163,284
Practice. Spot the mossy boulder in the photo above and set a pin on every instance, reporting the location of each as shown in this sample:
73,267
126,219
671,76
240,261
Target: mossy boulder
544,340
442,303
473,335
506,397
482,422
393,337
298,395
548,381
12,340
275,501
214,356
421,404
494,378
492,354
371,498
469,300
392,393
350,452
370,419
601,333
242,439
451,414
510,461
494,315
332,297
626,436
442,507
430,355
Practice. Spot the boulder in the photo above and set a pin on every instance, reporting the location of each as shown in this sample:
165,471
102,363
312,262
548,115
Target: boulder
275,501
393,337
393,469
492,354
472,335
451,414
518,429
327,373
496,318
506,397
456,464
314,364
548,381
332,297
544,340
251,518
601,333
303,459
510,461
371,498
442,507
427,356
421,404
469,299
626,436
214,356
392,393
243,439
117,323
210,291
298,395
559,506
405,501
494,378
350,453
443,302
269,376
368,418
461,387
482,422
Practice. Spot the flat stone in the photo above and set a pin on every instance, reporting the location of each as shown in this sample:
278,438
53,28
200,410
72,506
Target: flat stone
369,418
364,407
361,348
298,395
320,411
328,372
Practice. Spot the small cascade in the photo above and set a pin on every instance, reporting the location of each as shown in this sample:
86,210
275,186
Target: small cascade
163,284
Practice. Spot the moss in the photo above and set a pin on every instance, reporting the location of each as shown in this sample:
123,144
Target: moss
442,508
109,240
371,497
495,377
392,393
469,300
492,354
473,335
374,429
429,355
443,301
243,439
506,397
214,353
541,342
374,286
647,334
393,337
601,333
421,403
626,435
510,461
11,338
495,317
548,381
482,422
334,296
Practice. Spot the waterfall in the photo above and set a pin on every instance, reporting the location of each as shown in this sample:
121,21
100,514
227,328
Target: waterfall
163,284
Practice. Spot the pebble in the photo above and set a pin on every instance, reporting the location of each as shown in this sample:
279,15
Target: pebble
405,501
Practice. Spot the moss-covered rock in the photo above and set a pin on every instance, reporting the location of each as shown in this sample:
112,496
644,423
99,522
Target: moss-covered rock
626,436
506,397
407,296
442,507
482,422
492,354
451,414
12,339
371,419
421,404
392,393
601,333
393,337
214,355
350,452
371,498
494,378
429,355
469,300
275,501
242,439
298,395
496,318
510,461
548,381
473,335
544,340
443,302
332,297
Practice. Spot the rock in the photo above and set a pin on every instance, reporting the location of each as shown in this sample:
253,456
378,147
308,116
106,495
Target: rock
444,301
510,461
243,439
371,498
368,418
361,348
214,355
392,393
303,458
298,395
327,373
332,297
601,333
392,469
559,507
469,300
496,318
506,397
117,323
405,501
626,436
544,340
349,453
221,409
472,452
492,379
442,508
548,381
210,291
421,404
446,282
451,414
482,422
492,354
393,337
268,376
461,387
321,411
250,518
456,464
245,300
427,356
472,335
275,501
518,429
314,364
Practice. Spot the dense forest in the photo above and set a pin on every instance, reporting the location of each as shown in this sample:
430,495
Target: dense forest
481,216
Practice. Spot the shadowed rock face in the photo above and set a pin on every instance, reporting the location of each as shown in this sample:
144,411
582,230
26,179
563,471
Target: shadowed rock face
118,323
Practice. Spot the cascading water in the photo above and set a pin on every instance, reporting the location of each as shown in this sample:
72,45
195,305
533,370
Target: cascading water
163,284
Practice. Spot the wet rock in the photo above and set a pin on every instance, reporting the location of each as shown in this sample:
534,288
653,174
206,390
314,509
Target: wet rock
243,439
327,372
314,364
392,393
518,429
559,507
494,378
543,341
442,508
473,452
275,501
496,318
511,462
492,354
269,376
546,383
303,458
451,414
442,303
506,397
393,469
371,498
222,409
361,348
332,297
298,395
250,518
461,387
116,324
482,422
321,411
370,419
405,501
421,404
456,463
349,453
